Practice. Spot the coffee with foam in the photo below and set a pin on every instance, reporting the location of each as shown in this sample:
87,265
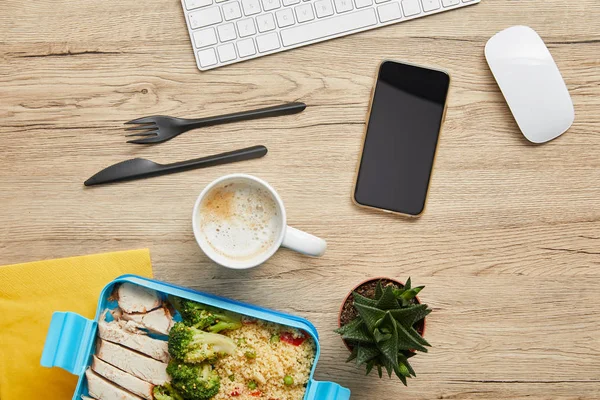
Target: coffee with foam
240,220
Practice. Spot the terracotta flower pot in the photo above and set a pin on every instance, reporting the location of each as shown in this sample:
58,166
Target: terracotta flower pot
347,303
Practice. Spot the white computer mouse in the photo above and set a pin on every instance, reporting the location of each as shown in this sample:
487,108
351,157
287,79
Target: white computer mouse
531,83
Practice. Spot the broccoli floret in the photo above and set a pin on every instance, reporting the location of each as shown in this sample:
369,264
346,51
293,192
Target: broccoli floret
194,382
205,317
166,392
191,345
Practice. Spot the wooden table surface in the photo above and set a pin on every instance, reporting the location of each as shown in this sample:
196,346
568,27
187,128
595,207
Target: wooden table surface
509,247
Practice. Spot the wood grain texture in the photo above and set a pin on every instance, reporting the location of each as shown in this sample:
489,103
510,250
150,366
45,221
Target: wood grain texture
509,247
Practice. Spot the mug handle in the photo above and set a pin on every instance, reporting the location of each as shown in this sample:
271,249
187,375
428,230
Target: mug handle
303,242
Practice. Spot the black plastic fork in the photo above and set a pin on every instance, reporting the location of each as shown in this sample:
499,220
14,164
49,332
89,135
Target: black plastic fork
160,128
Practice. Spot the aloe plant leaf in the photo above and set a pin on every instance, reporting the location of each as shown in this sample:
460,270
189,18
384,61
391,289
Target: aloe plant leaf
366,353
387,301
370,315
358,333
370,366
360,299
389,348
407,284
418,337
410,315
403,360
389,367
380,336
349,326
353,354
379,371
403,379
389,370
410,294
407,340
378,290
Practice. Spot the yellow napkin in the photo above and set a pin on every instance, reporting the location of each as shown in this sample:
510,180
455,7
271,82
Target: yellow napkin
29,294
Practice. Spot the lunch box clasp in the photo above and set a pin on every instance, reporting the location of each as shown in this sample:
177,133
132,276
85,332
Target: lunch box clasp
327,391
68,341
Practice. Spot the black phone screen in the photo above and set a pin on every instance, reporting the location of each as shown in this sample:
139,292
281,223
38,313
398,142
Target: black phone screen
401,139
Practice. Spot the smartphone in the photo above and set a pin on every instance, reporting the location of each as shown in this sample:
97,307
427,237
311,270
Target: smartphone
407,110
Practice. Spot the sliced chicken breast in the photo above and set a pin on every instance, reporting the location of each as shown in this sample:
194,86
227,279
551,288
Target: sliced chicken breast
145,368
134,339
157,321
101,389
126,381
137,299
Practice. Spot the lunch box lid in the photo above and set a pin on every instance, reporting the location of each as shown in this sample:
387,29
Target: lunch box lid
70,341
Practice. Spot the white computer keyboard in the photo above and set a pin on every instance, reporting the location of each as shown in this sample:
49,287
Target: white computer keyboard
229,31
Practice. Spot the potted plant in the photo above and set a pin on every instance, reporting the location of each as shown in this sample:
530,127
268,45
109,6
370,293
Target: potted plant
382,322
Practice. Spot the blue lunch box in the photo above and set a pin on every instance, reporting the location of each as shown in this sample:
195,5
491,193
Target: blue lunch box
70,342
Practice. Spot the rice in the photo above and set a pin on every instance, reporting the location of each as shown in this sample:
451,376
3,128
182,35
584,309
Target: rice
273,361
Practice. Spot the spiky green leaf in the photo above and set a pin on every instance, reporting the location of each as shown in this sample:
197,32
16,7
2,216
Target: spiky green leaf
404,360
379,371
370,366
403,379
380,336
360,299
353,354
410,315
378,290
407,284
389,348
387,301
418,337
410,294
349,326
366,353
370,315
407,340
358,333
389,367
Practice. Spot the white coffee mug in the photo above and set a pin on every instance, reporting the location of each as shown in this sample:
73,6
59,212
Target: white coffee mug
215,213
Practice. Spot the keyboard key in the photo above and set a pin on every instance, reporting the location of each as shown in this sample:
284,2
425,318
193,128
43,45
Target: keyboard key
450,3
380,1
192,4
232,10
269,5
205,17
205,37
226,32
343,5
430,5
268,42
226,52
411,7
246,27
290,2
324,8
251,7
265,23
363,3
304,13
285,17
328,27
389,12
220,1
207,57
246,47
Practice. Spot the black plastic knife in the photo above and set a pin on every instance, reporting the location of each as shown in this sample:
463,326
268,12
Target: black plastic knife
138,168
